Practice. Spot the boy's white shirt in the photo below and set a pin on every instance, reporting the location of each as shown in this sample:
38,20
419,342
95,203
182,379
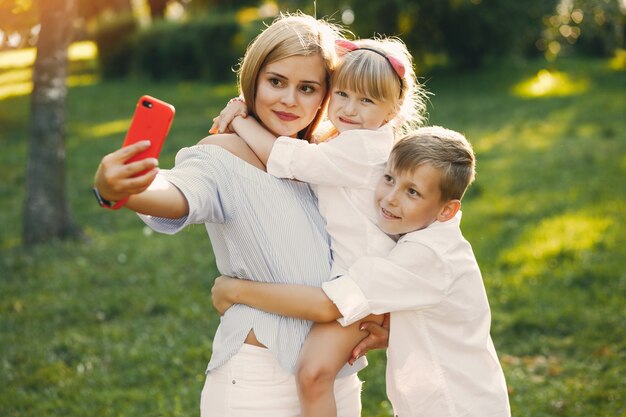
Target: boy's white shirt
441,360
343,173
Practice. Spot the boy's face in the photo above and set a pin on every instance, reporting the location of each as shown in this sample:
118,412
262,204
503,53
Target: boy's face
406,202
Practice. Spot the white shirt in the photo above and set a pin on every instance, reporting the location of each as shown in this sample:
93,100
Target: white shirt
344,173
254,221
441,360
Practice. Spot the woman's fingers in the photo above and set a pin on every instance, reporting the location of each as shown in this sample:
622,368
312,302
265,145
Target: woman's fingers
136,185
116,180
213,130
122,155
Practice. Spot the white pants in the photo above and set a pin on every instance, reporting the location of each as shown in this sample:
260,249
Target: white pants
252,384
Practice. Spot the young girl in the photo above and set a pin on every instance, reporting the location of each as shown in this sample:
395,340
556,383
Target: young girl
374,99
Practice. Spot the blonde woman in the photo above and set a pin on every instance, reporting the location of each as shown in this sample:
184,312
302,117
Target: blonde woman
260,227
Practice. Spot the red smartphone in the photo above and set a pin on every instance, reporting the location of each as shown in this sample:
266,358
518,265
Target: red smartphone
152,121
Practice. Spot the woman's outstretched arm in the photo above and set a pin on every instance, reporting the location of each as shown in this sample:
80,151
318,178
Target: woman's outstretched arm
148,193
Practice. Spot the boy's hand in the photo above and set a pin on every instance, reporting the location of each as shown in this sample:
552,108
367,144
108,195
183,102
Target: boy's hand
114,178
223,287
377,339
235,107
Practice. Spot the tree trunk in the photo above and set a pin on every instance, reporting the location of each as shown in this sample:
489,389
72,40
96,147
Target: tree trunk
157,9
46,209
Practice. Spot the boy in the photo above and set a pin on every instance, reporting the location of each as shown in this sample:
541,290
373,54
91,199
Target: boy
440,360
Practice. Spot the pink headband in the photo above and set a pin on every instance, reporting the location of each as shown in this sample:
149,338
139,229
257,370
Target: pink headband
396,64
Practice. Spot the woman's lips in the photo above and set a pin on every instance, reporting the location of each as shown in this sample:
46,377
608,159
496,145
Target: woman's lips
287,117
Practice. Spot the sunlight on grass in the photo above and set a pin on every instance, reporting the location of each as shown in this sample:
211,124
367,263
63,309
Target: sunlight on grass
618,62
564,236
15,82
550,83
109,128
16,69
81,51
16,76
538,134
20,58
82,80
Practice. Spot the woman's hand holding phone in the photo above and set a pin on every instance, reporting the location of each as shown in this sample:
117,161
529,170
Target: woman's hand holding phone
117,180
131,169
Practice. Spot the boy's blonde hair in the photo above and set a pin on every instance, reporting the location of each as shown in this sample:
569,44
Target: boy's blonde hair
444,149
371,74
289,35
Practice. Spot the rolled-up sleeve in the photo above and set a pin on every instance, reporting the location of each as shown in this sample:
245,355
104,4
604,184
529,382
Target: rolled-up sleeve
199,174
412,277
348,298
346,161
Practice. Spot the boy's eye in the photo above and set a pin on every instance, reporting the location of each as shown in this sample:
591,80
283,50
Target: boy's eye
413,192
367,100
341,93
388,178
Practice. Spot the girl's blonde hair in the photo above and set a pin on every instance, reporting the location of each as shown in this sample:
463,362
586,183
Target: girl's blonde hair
289,35
371,74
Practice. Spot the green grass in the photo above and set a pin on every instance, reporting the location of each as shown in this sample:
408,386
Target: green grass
121,325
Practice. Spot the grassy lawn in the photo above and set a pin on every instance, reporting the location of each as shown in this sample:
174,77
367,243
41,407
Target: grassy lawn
121,325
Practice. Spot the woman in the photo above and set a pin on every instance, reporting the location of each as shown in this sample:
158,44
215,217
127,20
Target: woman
259,226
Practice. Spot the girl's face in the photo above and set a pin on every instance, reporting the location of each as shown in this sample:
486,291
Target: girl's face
349,110
289,93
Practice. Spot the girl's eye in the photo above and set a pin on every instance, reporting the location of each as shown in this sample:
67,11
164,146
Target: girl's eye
413,192
388,178
367,100
341,93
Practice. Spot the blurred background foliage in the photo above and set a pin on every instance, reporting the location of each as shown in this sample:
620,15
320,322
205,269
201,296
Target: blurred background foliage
203,39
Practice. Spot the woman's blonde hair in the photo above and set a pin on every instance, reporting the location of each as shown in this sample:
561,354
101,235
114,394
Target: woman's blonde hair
289,35
371,74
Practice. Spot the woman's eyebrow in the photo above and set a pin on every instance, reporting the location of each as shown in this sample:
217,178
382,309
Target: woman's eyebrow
275,74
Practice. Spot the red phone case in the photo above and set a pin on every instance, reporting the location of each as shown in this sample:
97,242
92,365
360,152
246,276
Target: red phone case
152,121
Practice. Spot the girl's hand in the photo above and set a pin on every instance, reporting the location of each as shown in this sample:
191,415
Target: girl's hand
114,179
235,107
223,289
377,339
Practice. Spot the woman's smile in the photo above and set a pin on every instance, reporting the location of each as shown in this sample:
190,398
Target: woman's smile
286,116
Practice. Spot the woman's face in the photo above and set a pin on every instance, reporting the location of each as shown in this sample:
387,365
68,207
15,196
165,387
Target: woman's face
289,93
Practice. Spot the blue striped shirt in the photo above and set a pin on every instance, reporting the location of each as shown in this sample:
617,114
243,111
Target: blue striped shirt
261,228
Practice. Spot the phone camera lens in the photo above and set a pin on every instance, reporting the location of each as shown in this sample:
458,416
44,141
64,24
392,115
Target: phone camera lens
147,104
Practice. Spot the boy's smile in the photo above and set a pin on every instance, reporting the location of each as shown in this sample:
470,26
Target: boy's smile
408,201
